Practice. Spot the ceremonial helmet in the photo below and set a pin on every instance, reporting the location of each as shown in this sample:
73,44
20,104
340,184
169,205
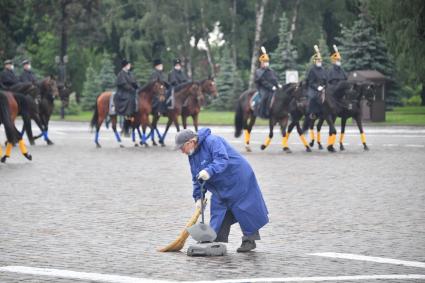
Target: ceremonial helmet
264,57
335,56
316,56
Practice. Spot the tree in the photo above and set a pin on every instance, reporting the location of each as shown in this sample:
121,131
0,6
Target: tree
362,48
284,56
142,70
92,88
106,75
228,83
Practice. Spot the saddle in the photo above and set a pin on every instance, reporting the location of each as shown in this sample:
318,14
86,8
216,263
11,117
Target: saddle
112,110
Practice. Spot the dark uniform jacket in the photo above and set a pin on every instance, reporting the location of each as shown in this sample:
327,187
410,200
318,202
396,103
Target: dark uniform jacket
265,80
316,77
336,74
158,75
177,77
28,76
124,99
8,79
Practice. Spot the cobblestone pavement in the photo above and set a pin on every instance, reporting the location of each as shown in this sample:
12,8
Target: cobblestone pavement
75,207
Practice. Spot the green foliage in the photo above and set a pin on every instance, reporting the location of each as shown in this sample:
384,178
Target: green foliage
106,75
362,48
92,88
412,101
73,107
228,84
142,70
284,57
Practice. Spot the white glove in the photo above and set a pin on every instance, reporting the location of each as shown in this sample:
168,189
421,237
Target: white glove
320,88
279,86
198,204
203,175
273,88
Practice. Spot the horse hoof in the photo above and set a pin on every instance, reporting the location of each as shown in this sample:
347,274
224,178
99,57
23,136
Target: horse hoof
263,147
136,145
98,145
248,148
3,159
154,144
122,146
331,148
28,156
146,144
311,143
320,146
287,150
308,149
341,147
365,147
49,142
32,142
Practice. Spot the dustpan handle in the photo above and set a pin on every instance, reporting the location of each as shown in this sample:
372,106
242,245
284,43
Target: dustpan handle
202,199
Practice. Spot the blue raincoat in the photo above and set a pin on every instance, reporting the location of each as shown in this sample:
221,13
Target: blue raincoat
232,183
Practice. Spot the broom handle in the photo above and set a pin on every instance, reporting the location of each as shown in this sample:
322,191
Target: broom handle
202,199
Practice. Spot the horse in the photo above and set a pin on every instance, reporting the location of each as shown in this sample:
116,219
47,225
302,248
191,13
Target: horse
279,113
8,113
182,93
144,95
349,95
329,108
193,105
48,92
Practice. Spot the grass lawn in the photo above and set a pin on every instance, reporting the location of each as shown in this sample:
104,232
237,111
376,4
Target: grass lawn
409,115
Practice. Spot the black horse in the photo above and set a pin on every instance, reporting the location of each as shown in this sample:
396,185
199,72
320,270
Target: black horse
7,107
282,104
348,97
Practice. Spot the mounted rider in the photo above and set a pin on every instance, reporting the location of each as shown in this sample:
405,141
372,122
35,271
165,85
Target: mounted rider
158,74
8,77
27,75
336,72
125,99
176,77
267,83
316,83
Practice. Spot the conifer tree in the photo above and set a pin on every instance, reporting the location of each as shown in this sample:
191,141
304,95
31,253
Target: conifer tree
142,70
107,76
91,89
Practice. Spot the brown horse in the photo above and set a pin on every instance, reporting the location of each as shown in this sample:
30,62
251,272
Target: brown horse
145,95
193,105
48,92
8,113
183,93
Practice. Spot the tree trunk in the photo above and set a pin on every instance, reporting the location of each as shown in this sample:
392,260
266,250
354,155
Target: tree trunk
205,36
294,21
423,94
259,7
188,49
233,13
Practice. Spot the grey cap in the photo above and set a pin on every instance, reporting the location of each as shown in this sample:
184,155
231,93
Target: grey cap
8,61
184,136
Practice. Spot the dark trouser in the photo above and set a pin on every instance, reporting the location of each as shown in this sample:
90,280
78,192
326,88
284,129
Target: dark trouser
315,104
223,234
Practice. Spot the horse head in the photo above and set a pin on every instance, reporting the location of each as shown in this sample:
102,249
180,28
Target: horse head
159,90
49,88
209,86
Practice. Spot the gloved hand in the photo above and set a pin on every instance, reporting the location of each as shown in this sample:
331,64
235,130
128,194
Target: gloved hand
279,86
203,174
273,88
198,204
320,88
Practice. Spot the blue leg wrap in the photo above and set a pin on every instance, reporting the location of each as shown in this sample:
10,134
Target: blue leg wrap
96,137
117,136
45,136
133,136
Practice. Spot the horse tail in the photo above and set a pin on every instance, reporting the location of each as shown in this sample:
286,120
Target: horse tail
239,118
95,117
12,133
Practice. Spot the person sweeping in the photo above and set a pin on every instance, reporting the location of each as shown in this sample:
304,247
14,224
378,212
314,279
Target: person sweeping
236,196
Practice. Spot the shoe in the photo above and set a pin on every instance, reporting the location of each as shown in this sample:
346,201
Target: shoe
246,246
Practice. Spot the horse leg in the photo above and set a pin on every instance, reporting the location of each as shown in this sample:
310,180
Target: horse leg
270,136
332,134
169,122
133,134
286,133
248,133
184,121
27,128
195,121
341,135
114,128
43,129
311,131
362,134
319,137
154,129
